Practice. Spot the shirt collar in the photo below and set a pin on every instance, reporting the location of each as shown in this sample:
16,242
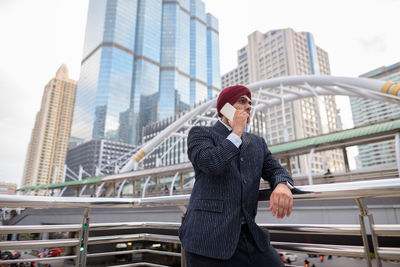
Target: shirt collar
226,125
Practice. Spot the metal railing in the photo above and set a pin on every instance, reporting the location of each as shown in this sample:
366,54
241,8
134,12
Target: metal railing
81,240
365,174
117,185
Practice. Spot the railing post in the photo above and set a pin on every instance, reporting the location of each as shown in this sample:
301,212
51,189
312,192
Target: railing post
346,160
83,238
374,240
364,212
182,209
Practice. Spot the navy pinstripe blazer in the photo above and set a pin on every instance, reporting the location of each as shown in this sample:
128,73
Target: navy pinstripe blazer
227,182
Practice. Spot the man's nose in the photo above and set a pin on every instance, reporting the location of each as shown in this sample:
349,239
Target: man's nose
248,106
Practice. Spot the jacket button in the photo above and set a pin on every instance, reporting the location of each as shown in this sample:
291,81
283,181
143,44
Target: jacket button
241,159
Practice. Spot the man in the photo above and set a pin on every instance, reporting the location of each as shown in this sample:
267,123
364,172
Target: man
219,228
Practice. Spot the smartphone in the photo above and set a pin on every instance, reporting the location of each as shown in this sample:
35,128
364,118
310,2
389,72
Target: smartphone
228,111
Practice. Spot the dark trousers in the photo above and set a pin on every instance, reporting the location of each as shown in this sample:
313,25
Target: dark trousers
246,254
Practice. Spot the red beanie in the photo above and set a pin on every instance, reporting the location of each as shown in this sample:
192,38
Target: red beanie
231,95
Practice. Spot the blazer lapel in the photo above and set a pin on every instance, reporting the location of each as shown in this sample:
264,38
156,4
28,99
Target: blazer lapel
221,129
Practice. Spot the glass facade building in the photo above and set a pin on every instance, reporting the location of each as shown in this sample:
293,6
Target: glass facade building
368,111
143,61
213,71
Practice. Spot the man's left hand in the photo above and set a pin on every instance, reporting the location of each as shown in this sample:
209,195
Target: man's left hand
281,201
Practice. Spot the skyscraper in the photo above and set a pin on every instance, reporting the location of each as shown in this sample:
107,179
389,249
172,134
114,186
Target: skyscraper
285,52
367,111
95,154
47,149
143,60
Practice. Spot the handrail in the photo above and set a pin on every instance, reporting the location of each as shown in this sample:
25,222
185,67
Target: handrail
134,251
347,190
387,230
330,229
389,253
72,257
345,229
339,250
385,171
134,225
38,243
17,229
140,264
132,237
342,176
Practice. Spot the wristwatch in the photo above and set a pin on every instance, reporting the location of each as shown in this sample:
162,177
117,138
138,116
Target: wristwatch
289,185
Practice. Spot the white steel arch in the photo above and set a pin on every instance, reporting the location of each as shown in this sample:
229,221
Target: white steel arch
270,93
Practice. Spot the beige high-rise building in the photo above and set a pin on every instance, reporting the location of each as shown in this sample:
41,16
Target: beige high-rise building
285,52
47,149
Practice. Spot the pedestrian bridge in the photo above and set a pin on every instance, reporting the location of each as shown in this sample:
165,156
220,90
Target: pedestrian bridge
179,178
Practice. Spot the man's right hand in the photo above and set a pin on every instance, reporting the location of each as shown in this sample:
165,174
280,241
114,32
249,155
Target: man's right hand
239,122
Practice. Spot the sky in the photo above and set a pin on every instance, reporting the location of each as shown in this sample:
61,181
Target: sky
38,36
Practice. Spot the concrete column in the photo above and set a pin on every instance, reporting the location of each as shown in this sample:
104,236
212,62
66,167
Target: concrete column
156,185
310,160
289,166
397,149
181,181
346,160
